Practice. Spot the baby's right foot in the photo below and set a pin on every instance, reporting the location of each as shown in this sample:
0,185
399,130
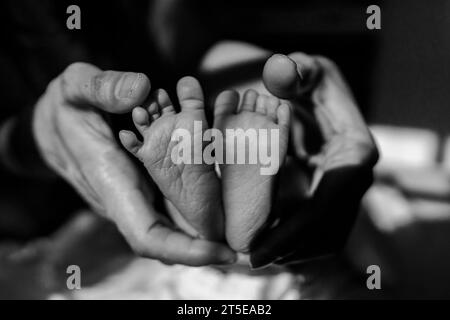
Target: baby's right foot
247,193
194,189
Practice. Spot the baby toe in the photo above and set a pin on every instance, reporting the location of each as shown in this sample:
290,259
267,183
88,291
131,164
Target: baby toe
226,103
130,141
141,119
261,104
284,115
249,101
164,102
272,105
154,110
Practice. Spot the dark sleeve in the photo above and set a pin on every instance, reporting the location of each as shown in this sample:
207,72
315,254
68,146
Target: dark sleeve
35,49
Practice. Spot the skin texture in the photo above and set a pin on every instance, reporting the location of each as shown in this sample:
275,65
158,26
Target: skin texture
247,194
194,189
77,143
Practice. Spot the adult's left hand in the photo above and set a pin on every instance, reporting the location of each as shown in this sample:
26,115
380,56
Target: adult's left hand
341,170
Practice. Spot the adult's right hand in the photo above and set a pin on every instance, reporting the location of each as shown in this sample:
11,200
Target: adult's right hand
75,141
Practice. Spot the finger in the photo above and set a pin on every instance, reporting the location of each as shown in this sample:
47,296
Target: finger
112,91
348,139
151,236
129,205
335,106
341,125
308,70
316,90
322,226
297,141
290,77
108,179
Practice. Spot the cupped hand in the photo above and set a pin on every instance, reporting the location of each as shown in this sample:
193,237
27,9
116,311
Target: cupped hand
341,167
75,141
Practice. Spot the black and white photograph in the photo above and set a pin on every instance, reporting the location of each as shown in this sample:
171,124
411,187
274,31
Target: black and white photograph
246,151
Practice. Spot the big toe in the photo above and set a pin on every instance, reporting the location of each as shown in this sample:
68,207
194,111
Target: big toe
190,94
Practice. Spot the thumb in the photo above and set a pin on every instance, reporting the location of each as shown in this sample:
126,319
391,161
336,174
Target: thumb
334,100
111,91
290,77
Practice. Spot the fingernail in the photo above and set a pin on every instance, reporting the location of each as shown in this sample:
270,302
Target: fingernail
127,85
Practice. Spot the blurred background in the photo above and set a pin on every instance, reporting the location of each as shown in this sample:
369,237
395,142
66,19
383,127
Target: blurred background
400,76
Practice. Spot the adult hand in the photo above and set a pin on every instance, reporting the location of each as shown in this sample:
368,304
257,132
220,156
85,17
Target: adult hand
75,140
341,167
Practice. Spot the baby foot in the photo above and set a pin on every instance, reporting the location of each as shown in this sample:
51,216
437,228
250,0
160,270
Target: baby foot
247,193
193,189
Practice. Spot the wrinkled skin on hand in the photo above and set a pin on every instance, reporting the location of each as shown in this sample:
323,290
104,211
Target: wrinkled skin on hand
77,143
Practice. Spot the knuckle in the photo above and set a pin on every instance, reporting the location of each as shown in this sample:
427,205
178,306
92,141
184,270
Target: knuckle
75,68
70,75
361,149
